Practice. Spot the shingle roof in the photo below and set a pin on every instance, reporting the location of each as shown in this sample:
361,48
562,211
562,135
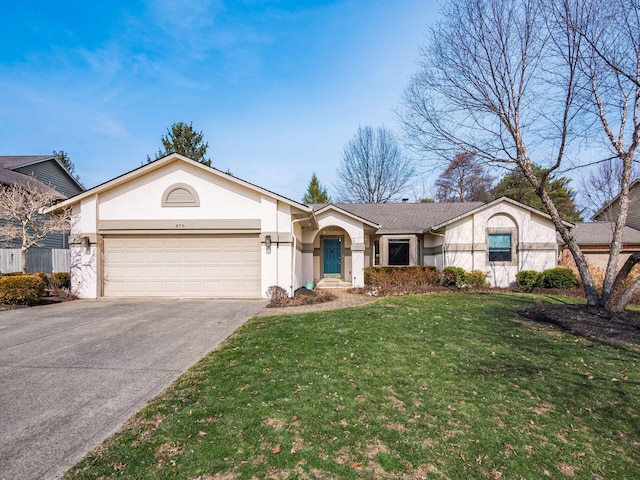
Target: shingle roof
9,177
13,161
405,217
601,233
10,162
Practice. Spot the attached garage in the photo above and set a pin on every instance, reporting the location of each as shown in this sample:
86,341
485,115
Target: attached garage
182,266
177,228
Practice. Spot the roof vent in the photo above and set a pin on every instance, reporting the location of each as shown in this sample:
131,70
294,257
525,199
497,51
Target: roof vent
405,200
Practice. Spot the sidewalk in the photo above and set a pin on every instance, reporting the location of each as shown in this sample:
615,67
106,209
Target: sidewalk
343,300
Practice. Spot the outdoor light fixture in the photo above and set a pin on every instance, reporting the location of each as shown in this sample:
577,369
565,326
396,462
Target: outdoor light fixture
267,241
85,242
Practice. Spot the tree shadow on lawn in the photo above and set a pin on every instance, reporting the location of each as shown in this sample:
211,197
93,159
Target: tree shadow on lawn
587,321
595,382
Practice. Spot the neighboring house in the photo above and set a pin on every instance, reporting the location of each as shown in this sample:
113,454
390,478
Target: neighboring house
53,255
595,237
175,227
609,212
595,242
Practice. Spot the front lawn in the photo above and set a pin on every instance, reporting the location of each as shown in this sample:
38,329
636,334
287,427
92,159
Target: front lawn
437,386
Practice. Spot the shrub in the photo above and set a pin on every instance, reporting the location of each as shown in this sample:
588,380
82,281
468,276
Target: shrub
477,278
60,280
527,278
557,278
44,278
21,289
454,277
387,277
275,292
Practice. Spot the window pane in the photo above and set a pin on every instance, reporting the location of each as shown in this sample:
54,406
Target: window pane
398,252
500,247
499,240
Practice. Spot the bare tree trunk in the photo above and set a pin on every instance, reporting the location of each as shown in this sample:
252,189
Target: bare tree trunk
23,254
620,302
591,292
611,280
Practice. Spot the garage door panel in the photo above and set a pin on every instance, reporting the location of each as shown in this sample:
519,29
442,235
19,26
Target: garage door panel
183,266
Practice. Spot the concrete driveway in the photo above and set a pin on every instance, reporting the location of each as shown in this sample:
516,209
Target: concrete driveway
72,373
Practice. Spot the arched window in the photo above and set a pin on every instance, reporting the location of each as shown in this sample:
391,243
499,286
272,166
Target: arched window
502,240
180,195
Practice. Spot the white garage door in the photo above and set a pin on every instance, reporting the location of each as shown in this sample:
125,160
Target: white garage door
182,266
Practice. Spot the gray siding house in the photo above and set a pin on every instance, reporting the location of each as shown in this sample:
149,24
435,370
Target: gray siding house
595,237
53,254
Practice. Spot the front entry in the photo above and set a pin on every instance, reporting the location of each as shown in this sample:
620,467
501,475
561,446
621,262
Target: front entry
332,253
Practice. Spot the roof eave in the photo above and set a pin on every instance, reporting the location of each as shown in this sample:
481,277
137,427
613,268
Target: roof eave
610,202
155,165
331,206
439,226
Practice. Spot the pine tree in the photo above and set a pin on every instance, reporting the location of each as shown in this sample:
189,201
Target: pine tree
316,193
183,139
63,158
515,186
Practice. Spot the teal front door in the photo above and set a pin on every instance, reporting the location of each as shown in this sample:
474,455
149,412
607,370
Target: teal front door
331,256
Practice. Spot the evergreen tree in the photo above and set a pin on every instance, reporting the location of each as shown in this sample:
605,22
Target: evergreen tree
183,139
515,186
63,158
316,193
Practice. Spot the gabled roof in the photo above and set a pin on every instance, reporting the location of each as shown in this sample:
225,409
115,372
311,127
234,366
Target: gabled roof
8,163
157,164
397,218
613,200
601,233
17,161
484,206
322,208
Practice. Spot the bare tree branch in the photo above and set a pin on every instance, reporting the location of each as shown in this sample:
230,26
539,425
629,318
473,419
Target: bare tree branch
22,220
522,83
373,168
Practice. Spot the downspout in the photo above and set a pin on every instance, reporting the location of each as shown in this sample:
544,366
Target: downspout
293,260
473,241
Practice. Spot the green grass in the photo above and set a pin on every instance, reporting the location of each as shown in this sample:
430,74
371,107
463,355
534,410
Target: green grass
436,386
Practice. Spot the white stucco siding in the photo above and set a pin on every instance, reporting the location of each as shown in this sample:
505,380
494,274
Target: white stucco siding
537,260
352,226
268,214
335,222
84,217
466,242
142,197
540,230
84,270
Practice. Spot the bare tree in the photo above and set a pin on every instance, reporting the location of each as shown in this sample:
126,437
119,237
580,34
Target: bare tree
602,184
22,222
464,180
373,168
520,82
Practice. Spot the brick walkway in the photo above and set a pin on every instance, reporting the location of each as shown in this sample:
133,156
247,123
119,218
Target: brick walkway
343,300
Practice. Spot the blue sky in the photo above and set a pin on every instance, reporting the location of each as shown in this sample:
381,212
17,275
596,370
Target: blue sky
277,87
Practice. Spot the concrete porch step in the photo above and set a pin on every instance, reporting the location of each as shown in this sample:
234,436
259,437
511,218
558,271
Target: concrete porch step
333,283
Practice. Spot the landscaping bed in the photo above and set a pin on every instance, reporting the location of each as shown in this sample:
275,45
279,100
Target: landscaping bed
592,322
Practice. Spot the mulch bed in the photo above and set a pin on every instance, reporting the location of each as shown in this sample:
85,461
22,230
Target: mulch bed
302,296
590,322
